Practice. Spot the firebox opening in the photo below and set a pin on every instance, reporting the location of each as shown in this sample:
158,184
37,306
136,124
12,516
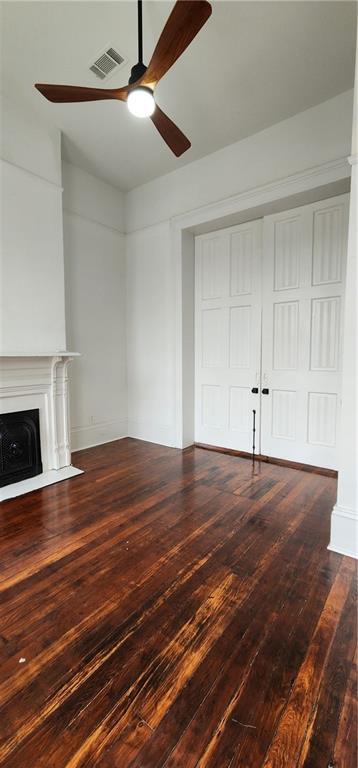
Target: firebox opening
20,447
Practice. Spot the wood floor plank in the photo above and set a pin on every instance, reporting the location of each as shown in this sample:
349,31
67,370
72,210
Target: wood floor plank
346,747
166,600
320,742
101,645
295,725
242,674
238,646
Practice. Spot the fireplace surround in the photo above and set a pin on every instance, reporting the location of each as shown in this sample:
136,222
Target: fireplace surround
39,382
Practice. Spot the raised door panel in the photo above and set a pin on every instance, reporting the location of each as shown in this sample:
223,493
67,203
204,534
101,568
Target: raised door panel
213,416
213,337
227,335
283,424
325,333
287,247
285,335
322,417
304,255
213,276
239,409
242,262
329,244
240,325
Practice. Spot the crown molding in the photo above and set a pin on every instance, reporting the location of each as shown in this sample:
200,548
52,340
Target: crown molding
318,176
91,220
34,175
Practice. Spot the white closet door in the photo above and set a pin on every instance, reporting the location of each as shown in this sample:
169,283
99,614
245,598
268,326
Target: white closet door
303,278
228,335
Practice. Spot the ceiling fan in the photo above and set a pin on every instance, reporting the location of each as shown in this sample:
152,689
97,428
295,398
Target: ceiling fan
184,23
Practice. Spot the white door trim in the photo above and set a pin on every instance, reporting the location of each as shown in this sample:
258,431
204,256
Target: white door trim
182,249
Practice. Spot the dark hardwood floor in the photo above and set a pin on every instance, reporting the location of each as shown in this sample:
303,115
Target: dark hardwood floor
169,608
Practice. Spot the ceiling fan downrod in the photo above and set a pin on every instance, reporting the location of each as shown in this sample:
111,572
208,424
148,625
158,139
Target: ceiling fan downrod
140,33
139,69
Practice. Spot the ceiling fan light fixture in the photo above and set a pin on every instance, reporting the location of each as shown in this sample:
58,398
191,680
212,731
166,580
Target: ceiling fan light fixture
141,101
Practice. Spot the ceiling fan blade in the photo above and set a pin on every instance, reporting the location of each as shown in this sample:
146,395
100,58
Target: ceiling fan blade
71,93
171,134
184,23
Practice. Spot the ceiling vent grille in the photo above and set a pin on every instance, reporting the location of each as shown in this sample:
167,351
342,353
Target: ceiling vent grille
107,63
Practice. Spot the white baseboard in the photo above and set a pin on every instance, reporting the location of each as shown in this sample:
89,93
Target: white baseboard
97,434
142,429
344,532
40,481
152,432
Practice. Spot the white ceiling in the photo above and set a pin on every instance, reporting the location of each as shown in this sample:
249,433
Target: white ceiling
252,65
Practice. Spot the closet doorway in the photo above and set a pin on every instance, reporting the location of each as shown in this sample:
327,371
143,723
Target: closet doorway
268,333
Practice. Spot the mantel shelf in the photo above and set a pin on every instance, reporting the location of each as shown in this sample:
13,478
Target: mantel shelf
58,353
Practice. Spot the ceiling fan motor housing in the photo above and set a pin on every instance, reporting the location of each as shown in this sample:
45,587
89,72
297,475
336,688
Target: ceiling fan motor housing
137,72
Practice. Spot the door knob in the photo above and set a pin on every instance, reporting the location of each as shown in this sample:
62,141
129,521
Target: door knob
265,391
255,390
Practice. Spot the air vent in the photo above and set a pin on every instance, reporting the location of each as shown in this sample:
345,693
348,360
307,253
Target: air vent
107,63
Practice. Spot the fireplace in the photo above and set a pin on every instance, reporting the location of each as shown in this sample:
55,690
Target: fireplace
20,449
35,448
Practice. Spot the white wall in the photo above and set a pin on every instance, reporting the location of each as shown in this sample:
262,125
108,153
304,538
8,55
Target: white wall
319,135
95,307
30,142
32,316
150,332
92,198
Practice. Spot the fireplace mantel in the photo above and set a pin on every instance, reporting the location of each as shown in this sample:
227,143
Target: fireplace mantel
40,380
58,353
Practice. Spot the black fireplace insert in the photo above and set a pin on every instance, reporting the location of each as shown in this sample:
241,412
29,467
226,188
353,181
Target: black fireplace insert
20,448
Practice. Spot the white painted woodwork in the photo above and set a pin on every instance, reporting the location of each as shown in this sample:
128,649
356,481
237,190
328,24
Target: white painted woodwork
344,520
296,356
39,381
227,335
303,286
